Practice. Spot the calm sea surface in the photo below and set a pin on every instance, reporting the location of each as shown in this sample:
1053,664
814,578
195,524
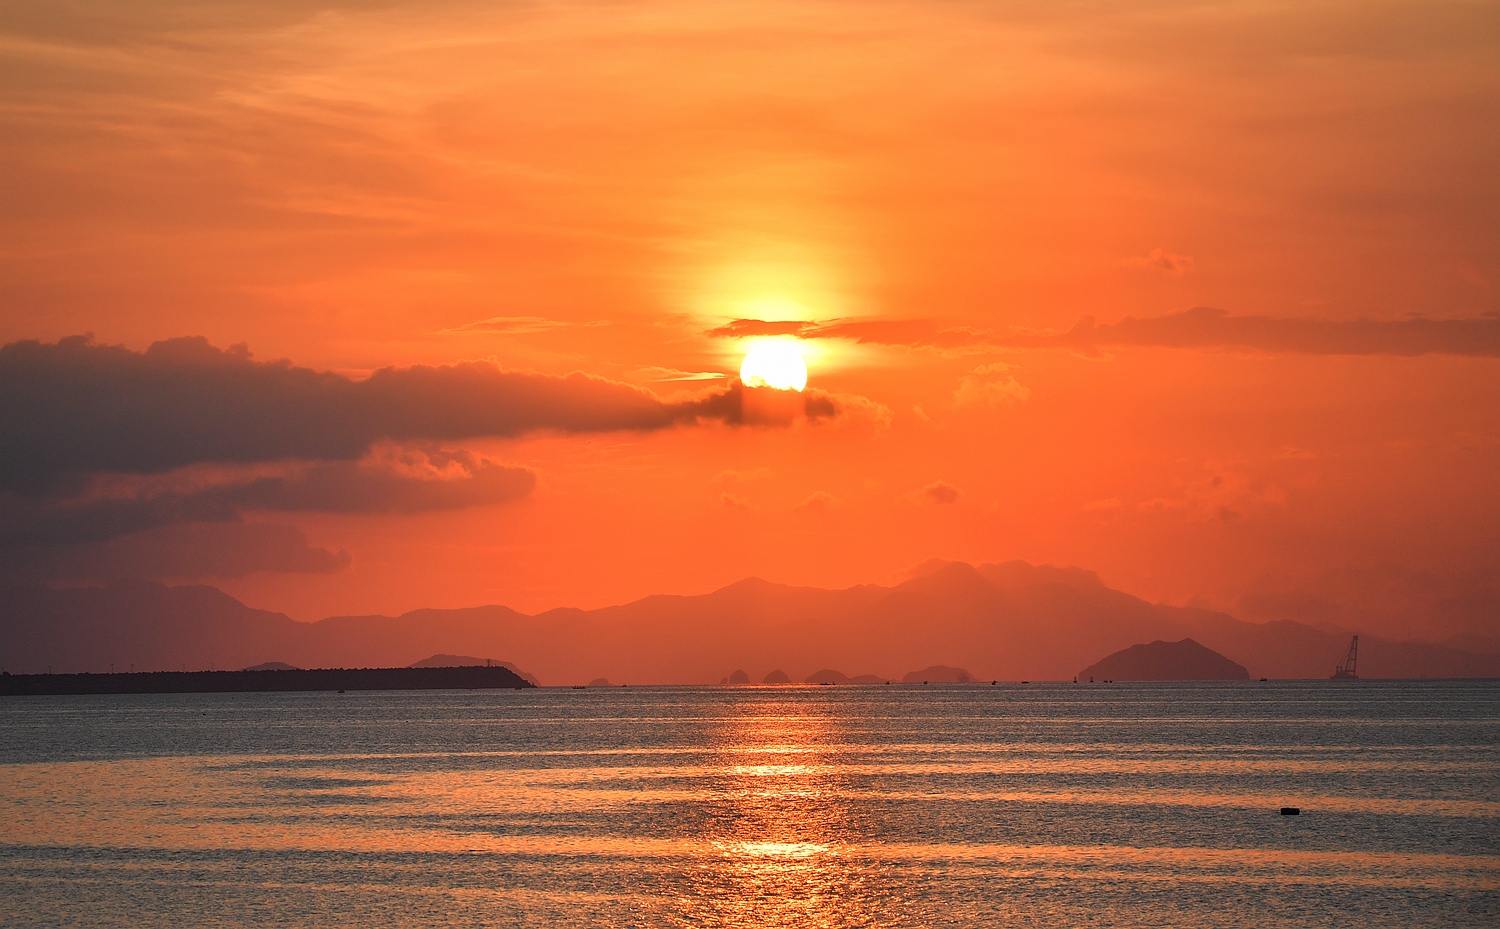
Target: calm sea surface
1050,805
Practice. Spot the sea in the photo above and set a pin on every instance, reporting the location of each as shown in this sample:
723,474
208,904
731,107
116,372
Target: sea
1120,805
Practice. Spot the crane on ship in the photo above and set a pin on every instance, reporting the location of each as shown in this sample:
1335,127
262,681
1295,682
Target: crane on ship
1346,671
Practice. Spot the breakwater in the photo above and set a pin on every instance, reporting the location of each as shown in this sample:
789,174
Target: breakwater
188,682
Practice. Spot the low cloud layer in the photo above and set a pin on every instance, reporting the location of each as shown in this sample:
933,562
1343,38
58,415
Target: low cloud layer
1197,328
74,408
1207,328
187,552
404,481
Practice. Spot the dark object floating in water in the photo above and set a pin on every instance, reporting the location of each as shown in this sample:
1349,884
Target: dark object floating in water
1291,811
209,682
579,687
1345,671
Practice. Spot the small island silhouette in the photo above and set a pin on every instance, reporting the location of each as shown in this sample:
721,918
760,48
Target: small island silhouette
1165,661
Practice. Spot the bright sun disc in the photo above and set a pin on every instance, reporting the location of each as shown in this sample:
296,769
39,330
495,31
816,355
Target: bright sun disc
774,364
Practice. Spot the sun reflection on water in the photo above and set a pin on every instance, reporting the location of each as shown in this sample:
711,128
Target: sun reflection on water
780,861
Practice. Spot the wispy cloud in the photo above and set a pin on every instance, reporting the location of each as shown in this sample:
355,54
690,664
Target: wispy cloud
515,325
1208,328
941,492
1161,260
991,384
1201,328
665,375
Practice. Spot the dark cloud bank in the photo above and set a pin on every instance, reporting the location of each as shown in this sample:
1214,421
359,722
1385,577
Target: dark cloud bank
1197,328
75,407
76,418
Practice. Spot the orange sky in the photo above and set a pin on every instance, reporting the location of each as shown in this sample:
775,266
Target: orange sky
595,187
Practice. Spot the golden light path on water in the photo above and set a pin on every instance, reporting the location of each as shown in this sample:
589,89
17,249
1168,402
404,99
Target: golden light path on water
759,807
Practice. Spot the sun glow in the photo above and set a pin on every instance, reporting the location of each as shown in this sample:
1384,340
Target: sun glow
774,363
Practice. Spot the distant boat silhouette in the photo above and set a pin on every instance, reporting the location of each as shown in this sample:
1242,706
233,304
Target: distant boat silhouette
1345,671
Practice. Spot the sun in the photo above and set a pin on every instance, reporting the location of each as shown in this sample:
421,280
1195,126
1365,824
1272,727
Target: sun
774,363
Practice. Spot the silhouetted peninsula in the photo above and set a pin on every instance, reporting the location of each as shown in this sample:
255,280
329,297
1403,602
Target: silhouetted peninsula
194,682
1166,661
468,661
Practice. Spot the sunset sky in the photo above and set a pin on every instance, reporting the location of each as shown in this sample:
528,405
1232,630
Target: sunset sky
1202,297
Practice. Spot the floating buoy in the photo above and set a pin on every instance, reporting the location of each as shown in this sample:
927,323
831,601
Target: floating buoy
1291,811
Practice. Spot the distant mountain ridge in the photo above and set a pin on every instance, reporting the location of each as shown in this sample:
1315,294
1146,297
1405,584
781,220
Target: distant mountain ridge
1010,621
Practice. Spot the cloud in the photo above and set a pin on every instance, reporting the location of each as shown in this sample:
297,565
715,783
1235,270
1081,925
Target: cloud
818,500
737,404
512,325
749,328
978,386
1223,495
908,332
72,408
941,492
672,374
1207,328
400,480
733,476
180,552
1202,328
1161,260
453,480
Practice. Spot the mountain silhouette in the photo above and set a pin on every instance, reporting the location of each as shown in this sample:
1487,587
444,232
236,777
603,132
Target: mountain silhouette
1165,661
1009,621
